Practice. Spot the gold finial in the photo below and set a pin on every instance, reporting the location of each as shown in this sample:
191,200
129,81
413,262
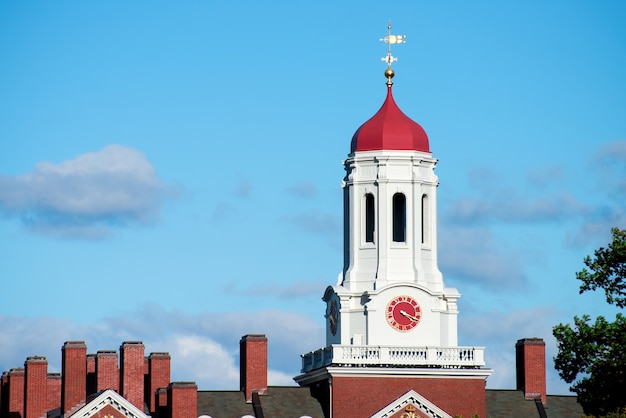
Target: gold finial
391,39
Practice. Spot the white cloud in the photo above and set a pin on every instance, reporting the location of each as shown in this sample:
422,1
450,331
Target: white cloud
613,151
43,336
474,253
499,331
276,378
243,189
314,221
303,189
295,289
513,209
596,201
609,168
223,212
206,360
544,177
88,196
204,347
597,231
212,365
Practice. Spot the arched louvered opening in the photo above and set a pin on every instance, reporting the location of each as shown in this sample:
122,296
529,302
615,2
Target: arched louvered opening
399,217
370,218
425,220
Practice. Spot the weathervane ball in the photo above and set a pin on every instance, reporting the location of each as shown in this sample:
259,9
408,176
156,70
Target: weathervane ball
389,73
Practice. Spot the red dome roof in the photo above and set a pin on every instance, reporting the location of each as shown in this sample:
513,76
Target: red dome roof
390,129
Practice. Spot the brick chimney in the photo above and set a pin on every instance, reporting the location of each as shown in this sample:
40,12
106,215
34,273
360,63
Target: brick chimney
53,394
35,389
91,374
74,372
161,403
159,377
132,373
531,367
253,365
4,394
107,370
16,392
182,400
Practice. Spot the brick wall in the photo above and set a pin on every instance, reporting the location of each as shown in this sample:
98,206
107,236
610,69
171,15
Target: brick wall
107,371
132,372
35,392
253,365
74,382
53,391
531,367
108,412
16,393
159,376
364,396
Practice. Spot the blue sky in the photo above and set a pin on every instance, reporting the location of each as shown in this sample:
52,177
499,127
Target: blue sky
171,173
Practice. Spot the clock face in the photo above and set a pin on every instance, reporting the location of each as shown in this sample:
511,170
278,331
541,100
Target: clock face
403,313
333,317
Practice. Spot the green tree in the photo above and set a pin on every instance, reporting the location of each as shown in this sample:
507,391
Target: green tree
595,352
607,270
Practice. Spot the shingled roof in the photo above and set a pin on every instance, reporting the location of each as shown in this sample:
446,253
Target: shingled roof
292,401
512,404
280,402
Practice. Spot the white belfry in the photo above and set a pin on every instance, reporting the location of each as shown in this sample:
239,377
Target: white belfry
391,323
391,290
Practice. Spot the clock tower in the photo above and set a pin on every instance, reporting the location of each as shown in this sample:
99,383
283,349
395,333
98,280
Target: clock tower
391,331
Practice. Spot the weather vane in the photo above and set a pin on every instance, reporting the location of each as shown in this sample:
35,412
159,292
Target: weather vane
389,40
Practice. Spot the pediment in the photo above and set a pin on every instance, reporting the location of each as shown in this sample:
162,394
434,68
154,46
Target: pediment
413,405
111,404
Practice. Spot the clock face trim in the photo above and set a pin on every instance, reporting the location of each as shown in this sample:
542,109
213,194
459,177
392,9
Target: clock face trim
403,313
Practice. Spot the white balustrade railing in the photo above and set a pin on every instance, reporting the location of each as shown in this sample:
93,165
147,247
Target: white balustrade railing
361,355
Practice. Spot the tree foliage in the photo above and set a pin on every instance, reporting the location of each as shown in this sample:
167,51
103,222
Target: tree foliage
595,352
621,413
607,270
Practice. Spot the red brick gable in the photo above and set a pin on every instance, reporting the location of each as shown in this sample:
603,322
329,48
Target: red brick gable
365,396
